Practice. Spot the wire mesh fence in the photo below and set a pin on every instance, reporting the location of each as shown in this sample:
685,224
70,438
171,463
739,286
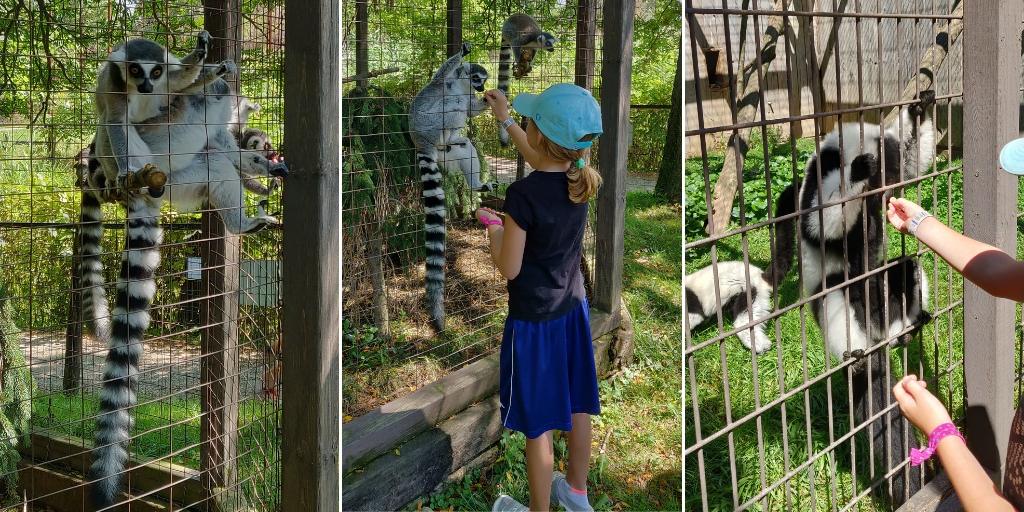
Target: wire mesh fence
803,306
206,423
389,347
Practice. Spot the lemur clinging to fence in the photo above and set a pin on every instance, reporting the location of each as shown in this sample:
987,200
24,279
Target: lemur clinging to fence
187,142
436,114
521,37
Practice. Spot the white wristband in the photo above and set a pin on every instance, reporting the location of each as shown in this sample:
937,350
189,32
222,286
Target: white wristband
507,123
916,221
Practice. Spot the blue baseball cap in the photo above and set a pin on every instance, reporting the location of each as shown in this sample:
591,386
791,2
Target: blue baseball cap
1011,157
565,113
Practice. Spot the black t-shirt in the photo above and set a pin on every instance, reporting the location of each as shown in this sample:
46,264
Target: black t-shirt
549,284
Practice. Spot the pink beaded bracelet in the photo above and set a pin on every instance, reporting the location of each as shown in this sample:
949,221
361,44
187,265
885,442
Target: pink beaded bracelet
919,455
489,222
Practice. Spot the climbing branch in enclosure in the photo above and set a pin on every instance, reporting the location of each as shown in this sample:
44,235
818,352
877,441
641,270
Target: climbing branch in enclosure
371,74
746,110
946,36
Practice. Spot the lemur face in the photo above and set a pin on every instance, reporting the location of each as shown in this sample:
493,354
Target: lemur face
547,41
143,76
477,76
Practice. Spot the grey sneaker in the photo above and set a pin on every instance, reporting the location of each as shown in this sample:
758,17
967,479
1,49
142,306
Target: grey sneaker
508,504
563,495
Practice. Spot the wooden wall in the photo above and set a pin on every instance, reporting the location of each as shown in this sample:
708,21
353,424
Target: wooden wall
875,59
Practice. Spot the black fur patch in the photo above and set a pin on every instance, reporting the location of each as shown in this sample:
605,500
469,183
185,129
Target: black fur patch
693,304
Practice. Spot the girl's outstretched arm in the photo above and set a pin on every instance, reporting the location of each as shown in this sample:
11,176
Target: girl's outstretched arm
499,107
989,267
975,489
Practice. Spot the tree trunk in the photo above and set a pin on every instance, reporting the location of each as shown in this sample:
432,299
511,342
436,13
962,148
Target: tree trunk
670,176
746,111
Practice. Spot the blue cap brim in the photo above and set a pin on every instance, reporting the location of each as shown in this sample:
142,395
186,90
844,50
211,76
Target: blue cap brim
1011,157
524,104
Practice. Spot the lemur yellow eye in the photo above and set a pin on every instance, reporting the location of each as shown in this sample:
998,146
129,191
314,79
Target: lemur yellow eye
157,71
135,70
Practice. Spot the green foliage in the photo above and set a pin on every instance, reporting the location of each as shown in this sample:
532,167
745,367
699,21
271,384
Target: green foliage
784,170
16,390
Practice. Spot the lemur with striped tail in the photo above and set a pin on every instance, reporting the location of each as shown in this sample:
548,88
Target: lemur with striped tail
521,37
185,142
436,115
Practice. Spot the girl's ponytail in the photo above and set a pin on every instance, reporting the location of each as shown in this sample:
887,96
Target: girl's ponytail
583,181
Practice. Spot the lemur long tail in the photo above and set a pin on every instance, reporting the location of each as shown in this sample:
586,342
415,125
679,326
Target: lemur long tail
785,237
435,212
94,297
504,77
135,292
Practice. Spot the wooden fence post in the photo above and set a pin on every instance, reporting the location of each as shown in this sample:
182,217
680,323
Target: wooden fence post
992,39
616,66
454,25
219,308
311,303
585,30
73,333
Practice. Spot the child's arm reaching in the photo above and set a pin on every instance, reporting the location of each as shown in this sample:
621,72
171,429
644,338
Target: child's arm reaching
984,265
499,107
973,486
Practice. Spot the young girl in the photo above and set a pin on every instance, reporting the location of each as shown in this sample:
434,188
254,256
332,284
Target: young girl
997,273
548,379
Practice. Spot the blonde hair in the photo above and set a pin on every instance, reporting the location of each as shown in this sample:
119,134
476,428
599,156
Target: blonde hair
583,182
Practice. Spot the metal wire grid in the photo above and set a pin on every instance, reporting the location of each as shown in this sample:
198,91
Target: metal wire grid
49,56
383,360
777,431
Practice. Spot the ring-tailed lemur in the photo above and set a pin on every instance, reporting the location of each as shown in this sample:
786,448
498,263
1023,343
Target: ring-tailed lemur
436,114
521,37
187,138
843,242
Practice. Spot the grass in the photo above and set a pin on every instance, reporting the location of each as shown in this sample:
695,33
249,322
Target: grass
170,430
636,461
725,382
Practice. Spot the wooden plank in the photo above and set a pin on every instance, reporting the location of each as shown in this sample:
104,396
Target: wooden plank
616,67
73,333
65,493
400,476
936,496
586,27
397,478
362,44
219,309
454,27
310,284
175,483
991,56
379,430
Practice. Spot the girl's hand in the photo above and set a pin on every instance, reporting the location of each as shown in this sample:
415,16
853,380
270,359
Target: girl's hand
900,212
919,406
498,103
488,215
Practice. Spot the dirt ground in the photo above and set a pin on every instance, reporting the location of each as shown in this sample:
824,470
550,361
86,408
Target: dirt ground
167,367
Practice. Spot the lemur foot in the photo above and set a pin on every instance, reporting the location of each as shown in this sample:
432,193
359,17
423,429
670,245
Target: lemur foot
853,354
925,100
488,187
278,169
149,177
202,44
227,67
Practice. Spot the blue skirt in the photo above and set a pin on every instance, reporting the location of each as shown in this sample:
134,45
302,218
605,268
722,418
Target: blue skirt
548,373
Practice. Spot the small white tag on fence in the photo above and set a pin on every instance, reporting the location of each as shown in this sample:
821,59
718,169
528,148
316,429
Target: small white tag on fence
194,268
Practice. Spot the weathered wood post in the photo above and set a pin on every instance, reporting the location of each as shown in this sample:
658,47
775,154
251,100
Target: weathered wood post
73,333
992,41
219,308
613,147
454,27
311,302
586,26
